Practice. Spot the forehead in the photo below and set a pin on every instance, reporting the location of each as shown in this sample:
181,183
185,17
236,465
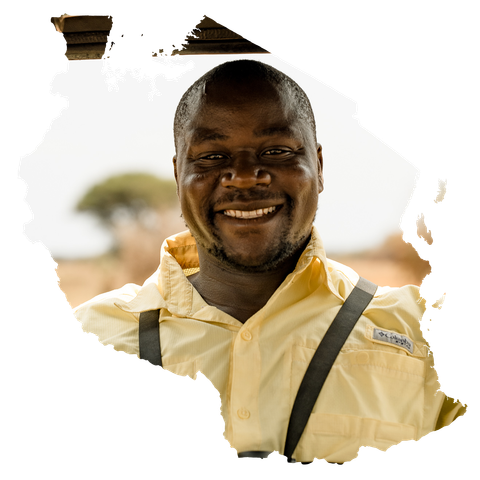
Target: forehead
260,107
253,97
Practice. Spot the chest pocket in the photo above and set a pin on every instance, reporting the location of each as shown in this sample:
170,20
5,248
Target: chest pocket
370,398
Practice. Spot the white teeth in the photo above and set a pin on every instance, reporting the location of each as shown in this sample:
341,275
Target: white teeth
250,213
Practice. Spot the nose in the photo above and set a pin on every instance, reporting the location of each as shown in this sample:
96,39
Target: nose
245,172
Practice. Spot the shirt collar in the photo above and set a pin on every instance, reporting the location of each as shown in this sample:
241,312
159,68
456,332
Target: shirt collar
179,258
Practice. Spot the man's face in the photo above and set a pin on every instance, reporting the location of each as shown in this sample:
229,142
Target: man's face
248,173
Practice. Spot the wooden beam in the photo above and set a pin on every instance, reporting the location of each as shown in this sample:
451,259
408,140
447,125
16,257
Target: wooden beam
87,36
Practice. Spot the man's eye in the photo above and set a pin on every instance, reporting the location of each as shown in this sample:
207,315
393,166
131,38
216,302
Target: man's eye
274,151
213,156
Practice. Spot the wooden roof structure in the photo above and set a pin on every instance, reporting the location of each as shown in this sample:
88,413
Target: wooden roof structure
87,35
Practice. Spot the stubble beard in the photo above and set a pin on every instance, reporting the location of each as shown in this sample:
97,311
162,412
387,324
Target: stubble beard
277,253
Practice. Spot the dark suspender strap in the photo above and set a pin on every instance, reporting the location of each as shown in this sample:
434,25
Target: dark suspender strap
323,360
149,337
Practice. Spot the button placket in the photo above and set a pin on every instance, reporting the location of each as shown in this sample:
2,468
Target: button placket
245,390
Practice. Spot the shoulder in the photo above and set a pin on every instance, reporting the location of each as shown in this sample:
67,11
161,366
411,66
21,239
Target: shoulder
104,317
398,309
105,303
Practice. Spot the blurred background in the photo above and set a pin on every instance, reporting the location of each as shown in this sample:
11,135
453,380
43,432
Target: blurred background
103,198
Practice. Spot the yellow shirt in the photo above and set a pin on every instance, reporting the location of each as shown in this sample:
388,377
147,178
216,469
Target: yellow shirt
377,393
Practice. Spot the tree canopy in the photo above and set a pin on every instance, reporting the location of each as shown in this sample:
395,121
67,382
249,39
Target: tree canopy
129,194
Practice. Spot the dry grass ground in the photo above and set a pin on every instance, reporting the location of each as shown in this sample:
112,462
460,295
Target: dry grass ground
394,264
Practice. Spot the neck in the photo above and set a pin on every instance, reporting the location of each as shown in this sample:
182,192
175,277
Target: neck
238,293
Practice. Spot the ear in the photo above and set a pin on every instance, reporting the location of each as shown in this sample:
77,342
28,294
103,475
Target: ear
320,168
175,170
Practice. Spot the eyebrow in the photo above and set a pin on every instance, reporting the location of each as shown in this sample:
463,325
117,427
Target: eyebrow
201,135
286,130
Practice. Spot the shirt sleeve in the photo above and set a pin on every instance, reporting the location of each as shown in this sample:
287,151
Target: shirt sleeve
110,324
405,309
449,412
439,410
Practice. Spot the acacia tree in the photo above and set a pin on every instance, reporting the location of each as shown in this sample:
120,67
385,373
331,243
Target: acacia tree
130,197
140,210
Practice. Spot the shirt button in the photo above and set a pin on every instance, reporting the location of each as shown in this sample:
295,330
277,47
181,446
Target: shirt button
246,335
362,357
243,413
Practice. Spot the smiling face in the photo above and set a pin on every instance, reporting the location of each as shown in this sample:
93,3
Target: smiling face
248,173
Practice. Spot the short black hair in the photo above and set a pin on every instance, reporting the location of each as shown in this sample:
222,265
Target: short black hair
241,71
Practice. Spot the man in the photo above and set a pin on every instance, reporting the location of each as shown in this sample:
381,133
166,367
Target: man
247,294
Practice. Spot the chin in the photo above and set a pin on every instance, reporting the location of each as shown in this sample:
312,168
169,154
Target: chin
277,252
269,261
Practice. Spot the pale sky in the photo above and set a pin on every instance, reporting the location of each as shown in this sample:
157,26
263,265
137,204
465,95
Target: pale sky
105,132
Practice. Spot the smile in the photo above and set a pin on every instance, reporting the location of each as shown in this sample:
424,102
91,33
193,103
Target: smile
249,214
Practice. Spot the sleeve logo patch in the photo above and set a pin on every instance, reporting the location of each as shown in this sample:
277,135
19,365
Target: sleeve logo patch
393,338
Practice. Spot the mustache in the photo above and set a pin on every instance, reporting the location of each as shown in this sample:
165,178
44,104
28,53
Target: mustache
250,196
